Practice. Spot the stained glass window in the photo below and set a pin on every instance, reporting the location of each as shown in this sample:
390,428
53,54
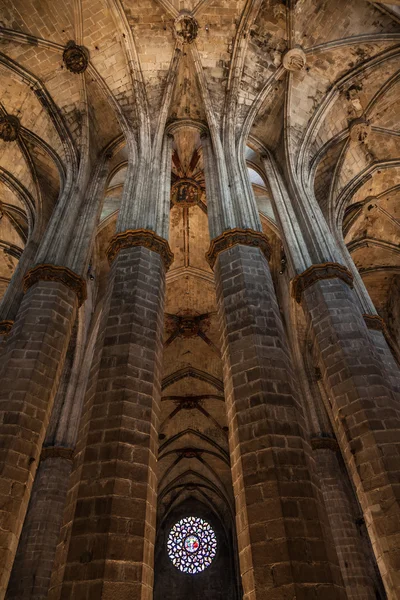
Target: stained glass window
192,545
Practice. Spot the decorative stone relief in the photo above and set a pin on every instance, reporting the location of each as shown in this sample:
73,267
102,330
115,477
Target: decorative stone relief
186,28
185,192
316,273
5,327
354,98
233,237
48,272
9,128
76,58
140,237
359,130
294,59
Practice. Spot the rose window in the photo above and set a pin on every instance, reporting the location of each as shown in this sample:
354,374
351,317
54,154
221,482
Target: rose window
192,545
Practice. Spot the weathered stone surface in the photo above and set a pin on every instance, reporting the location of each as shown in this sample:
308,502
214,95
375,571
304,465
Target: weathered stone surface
34,561
109,522
284,544
29,372
366,415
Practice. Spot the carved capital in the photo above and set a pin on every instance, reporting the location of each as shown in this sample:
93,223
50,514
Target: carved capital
57,452
140,237
317,272
76,58
234,237
5,327
375,322
9,128
324,443
47,272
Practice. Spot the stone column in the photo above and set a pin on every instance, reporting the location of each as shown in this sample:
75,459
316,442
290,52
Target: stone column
285,547
357,571
365,410
34,355
106,545
34,559
29,373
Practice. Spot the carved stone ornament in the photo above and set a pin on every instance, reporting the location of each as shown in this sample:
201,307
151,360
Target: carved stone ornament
140,237
47,272
234,237
9,128
5,327
76,58
359,130
324,443
316,273
57,452
375,322
294,59
188,403
186,28
185,192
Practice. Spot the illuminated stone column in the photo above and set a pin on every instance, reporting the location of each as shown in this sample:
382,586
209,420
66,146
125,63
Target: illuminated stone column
285,546
107,540
355,369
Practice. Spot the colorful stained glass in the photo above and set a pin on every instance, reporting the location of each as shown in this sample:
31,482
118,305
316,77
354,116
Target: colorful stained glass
192,545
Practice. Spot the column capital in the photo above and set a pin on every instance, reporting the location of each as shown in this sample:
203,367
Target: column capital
6,326
57,452
375,322
49,272
324,443
140,237
234,237
328,270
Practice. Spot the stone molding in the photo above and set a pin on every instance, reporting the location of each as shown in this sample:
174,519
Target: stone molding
324,443
57,452
48,272
375,322
5,327
234,237
140,237
316,273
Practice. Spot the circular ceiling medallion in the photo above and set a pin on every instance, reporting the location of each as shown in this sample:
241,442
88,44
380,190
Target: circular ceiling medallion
294,59
76,58
186,28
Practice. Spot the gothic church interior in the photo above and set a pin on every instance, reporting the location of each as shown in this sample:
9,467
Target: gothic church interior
199,300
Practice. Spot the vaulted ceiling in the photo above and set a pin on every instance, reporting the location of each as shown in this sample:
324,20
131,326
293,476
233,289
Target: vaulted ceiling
336,120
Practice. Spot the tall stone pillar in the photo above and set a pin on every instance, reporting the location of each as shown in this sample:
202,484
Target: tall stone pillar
357,571
31,366
106,545
364,403
29,373
285,547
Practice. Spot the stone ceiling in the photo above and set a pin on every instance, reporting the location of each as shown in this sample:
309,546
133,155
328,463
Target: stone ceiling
336,120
